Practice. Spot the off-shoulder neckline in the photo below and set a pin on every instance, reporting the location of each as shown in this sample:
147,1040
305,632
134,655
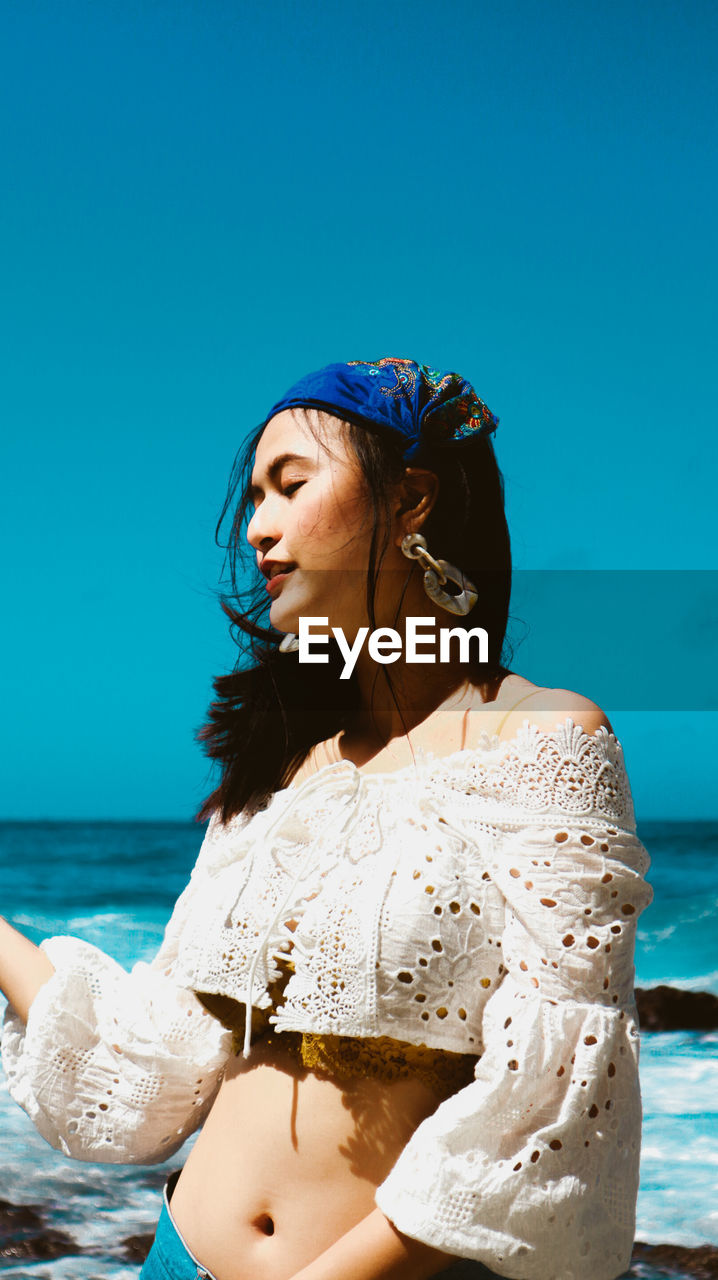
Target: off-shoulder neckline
429,762
426,765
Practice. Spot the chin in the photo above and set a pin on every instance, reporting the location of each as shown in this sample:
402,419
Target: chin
281,622
286,618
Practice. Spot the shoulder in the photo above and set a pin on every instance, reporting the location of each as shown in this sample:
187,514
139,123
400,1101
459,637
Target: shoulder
549,707
543,707
534,717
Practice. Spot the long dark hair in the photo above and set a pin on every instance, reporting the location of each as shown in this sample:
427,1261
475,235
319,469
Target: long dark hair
270,711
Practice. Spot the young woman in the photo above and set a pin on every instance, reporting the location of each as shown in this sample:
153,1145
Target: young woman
398,989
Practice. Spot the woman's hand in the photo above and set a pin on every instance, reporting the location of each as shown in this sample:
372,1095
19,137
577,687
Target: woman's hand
24,968
375,1250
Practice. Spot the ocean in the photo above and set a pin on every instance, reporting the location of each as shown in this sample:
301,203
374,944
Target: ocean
114,884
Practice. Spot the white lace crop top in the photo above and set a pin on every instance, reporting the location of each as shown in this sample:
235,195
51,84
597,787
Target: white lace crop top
483,903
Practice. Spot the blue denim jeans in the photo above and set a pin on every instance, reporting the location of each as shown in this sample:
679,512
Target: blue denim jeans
171,1259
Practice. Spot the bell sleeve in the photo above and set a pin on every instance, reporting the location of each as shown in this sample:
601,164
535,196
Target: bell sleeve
114,1066
532,1169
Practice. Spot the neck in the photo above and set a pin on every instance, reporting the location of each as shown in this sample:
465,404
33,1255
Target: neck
396,697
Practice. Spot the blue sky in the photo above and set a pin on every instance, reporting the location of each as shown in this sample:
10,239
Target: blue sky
203,200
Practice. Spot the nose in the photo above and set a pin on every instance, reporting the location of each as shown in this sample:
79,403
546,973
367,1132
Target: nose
263,531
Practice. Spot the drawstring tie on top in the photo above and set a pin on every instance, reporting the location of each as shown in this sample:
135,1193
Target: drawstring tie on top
316,848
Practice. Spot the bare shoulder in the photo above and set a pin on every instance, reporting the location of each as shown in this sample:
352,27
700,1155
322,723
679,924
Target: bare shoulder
521,700
557,705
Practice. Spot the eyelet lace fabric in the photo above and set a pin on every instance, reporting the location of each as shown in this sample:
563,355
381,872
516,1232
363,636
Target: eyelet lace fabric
484,904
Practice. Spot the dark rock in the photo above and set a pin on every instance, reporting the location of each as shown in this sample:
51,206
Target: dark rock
670,1009
51,1244
136,1248
700,1263
25,1236
14,1217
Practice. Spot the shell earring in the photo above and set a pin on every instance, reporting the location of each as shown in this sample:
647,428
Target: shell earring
289,643
438,574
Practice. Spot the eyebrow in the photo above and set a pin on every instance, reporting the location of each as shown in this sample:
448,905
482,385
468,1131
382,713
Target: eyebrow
273,470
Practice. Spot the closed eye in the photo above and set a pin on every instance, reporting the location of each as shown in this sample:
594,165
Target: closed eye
292,488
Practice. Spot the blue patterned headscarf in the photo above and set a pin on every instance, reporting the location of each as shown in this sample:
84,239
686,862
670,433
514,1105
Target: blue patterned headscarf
428,408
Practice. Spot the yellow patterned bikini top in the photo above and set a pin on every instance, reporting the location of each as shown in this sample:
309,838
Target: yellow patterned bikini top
345,1057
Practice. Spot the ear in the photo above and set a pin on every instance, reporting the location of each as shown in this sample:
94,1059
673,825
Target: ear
416,494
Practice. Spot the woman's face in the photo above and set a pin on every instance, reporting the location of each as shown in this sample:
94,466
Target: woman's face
311,527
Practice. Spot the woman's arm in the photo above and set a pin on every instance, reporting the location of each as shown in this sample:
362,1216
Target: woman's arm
109,1065
24,968
375,1250
533,1167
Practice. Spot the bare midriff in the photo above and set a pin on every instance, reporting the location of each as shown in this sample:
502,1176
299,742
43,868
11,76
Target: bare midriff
288,1160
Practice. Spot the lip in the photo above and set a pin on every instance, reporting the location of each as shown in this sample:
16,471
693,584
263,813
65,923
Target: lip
276,581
